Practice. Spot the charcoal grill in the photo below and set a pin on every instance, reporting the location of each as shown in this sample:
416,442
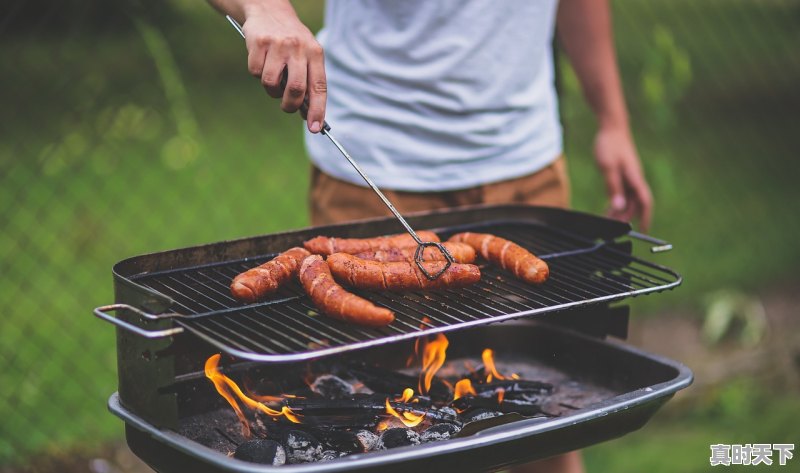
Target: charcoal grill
173,310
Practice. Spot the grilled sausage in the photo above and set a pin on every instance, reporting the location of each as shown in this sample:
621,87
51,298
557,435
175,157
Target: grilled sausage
399,276
334,301
325,246
461,253
260,281
507,254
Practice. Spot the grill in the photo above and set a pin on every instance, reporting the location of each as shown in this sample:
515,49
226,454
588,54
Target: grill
287,328
173,310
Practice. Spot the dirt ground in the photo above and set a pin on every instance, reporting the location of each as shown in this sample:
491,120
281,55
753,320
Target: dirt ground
776,359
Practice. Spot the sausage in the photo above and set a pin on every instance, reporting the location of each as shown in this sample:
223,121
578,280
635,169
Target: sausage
399,276
325,246
507,254
334,301
260,281
461,253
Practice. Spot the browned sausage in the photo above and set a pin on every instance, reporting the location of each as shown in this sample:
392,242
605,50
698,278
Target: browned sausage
461,252
399,276
325,246
334,301
507,254
260,281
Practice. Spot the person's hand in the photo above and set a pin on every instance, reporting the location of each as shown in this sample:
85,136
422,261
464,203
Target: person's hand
277,40
628,192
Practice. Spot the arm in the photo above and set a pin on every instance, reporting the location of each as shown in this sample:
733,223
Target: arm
277,40
584,28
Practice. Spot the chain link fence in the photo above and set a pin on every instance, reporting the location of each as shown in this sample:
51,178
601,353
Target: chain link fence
128,130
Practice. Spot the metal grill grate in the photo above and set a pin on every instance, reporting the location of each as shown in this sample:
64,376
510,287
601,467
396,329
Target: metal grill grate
288,328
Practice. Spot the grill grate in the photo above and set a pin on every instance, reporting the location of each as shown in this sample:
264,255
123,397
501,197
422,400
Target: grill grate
288,328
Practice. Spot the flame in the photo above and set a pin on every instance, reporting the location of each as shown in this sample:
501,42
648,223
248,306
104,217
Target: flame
408,393
408,419
217,378
501,393
432,359
488,365
382,425
224,384
463,388
415,354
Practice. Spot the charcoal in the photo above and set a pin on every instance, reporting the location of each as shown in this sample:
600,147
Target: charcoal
268,452
360,410
513,387
302,447
479,413
368,440
332,387
331,455
442,431
398,437
507,406
393,383
339,440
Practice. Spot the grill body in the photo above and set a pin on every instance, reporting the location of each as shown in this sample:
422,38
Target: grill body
160,379
641,382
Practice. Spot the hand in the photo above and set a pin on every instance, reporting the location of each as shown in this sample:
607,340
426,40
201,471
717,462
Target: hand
628,192
277,40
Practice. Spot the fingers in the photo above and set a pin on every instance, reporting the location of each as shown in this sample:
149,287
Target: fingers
296,80
317,90
640,195
291,68
615,189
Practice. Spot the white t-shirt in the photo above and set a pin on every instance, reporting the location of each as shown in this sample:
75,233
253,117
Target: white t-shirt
436,95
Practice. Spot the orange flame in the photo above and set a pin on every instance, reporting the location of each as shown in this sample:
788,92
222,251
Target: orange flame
413,355
224,384
501,393
218,379
432,359
408,393
408,419
463,388
488,364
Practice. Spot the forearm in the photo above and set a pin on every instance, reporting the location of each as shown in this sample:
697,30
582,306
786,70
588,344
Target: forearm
584,28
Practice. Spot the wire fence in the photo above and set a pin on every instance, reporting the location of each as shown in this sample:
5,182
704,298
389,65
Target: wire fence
129,130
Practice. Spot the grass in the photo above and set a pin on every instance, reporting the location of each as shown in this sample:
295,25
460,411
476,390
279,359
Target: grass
98,164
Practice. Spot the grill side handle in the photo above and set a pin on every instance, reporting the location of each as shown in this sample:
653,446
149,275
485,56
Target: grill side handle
102,312
660,245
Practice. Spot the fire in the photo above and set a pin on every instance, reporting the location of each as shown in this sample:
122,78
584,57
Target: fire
463,388
218,379
408,394
488,365
408,419
501,393
432,359
224,387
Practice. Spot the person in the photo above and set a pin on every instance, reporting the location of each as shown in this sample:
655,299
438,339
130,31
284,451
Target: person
445,103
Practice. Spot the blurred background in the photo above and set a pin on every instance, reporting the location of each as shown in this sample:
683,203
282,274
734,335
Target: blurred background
132,127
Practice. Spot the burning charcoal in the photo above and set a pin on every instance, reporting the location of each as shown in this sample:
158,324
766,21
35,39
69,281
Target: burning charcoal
302,447
448,411
368,440
513,388
338,440
331,455
263,451
381,380
524,408
479,413
358,411
332,387
441,431
393,438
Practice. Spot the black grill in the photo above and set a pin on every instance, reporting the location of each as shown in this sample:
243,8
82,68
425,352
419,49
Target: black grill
288,327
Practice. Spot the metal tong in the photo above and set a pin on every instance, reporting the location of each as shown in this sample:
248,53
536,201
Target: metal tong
421,245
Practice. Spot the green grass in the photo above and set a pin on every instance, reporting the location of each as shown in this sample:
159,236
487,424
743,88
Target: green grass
96,164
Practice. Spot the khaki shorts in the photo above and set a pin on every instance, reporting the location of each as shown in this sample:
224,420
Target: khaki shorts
333,201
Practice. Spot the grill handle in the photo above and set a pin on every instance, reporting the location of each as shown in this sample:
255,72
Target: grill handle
103,313
660,245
